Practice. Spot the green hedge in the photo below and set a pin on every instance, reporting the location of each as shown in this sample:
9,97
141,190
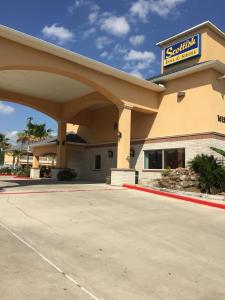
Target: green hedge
6,171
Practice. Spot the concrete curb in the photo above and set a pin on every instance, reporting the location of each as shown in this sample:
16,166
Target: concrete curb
175,196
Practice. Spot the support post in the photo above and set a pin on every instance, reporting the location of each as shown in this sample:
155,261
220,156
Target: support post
123,174
124,133
35,162
61,146
35,170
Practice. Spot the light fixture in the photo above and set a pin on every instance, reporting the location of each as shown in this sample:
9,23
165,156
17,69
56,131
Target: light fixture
180,94
132,152
119,135
110,153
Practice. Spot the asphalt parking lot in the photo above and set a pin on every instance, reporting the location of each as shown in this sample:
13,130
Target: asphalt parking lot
92,241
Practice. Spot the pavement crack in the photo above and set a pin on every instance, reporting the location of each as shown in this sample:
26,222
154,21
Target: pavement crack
29,216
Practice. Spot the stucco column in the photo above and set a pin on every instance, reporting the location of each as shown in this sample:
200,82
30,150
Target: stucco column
124,132
61,146
35,162
35,170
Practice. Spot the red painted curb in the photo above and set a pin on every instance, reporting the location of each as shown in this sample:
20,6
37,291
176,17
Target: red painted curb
179,197
6,175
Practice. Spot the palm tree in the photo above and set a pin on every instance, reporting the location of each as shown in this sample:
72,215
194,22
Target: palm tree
4,144
16,154
33,133
219,151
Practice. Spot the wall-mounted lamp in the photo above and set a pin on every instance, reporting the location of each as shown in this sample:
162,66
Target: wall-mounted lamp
221,77
180,96
110,153
119,135
132,152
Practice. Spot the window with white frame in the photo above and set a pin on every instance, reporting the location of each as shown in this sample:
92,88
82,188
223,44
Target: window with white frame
165,158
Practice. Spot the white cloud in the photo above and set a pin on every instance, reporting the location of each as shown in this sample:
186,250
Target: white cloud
102,41
104,54
164,7
137,40
58,34
93,15
140,55
88,33
142,8
139,61
12,136
78,3
90,5
117,26
6,109
136,73
116,51
119,49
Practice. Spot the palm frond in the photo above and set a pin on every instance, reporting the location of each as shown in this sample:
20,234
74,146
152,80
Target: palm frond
219,151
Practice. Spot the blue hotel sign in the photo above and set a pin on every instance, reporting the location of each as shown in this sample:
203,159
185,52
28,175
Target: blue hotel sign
188,48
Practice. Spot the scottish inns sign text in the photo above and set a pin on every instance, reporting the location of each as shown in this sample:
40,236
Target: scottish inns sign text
180,51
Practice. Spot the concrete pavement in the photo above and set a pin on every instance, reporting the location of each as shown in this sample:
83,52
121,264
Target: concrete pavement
114,243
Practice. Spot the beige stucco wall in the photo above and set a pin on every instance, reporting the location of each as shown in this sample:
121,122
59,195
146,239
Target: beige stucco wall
195,113
100,125
75,160
8,159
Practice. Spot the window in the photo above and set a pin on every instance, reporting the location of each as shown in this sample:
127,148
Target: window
97,162
153,159
161,159
174,158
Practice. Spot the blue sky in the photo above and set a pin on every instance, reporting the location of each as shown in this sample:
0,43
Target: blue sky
121,33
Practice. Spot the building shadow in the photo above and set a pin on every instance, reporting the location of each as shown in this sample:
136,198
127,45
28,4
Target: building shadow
14,183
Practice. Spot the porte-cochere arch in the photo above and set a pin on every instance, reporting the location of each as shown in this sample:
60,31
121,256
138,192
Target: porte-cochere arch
92,84
61,84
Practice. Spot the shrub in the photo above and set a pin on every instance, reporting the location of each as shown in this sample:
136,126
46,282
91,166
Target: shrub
166,172
66,175
211,174
6,171
23,171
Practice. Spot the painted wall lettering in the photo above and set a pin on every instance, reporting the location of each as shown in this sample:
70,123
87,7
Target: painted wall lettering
221,119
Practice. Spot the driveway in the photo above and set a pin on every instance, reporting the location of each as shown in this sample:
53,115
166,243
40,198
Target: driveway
92,241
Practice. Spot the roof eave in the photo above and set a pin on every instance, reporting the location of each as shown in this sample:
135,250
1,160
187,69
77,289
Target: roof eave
215,64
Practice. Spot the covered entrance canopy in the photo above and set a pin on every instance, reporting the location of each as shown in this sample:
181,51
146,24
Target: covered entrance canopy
62,84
